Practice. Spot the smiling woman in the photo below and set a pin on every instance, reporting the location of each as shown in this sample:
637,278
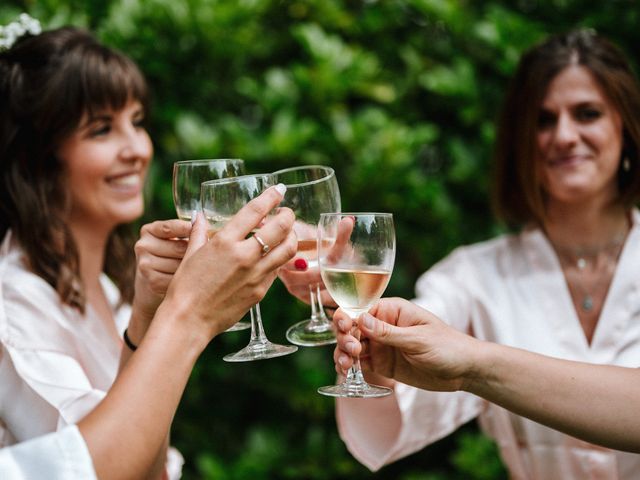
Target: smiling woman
567,173
74,156
106,161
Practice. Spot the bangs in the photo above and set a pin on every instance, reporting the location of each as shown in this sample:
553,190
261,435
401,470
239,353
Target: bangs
108,81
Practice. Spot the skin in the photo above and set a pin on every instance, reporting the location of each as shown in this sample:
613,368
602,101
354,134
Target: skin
579,140
298,280
578,150
105,162
579,144
213,287
401,341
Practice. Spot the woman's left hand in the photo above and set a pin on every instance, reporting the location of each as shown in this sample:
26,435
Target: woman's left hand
159,251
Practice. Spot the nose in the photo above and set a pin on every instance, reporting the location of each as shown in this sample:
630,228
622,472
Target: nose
566,131
136,145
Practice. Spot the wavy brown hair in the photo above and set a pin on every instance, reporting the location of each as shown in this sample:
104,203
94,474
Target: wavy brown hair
48,82
517,193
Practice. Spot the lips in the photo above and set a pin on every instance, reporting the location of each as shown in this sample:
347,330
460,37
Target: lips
567,160
126,181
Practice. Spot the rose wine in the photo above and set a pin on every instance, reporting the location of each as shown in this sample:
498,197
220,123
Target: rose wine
308,249
355,289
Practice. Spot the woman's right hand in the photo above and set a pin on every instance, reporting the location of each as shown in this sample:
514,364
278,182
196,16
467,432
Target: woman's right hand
402,341
220,279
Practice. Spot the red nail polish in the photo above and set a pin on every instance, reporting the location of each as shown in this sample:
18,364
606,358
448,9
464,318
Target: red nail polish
300,264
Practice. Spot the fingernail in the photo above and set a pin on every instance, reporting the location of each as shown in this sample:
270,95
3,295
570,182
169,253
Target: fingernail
368,320
281,188
351,347
194,215
342,325
300,264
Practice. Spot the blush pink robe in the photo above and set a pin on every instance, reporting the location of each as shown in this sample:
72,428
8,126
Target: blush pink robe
509,290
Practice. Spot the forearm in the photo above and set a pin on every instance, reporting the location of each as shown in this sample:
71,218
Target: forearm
135,331
598,403
130,426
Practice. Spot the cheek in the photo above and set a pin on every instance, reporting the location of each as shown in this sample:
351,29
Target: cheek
609,141
148,148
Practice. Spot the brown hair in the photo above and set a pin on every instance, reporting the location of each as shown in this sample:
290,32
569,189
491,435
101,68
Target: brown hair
47,83
517,195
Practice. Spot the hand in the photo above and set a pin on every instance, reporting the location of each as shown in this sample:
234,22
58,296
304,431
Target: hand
220,279
297,278
159,251
407,343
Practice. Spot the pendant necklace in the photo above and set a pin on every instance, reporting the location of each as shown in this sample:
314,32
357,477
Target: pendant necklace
603,258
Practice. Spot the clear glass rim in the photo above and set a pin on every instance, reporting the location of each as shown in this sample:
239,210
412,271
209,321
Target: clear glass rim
329,173
220,181
361,214
206,161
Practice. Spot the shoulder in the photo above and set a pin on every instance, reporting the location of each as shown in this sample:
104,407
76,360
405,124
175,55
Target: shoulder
491,253
27,302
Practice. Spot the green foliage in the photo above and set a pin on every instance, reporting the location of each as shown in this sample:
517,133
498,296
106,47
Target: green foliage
399,96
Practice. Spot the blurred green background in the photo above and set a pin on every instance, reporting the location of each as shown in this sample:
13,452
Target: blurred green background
400,97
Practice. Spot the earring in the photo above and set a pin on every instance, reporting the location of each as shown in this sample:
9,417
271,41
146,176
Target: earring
626,164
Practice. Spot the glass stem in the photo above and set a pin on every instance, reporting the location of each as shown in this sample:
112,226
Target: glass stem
258,338
354,375
318,317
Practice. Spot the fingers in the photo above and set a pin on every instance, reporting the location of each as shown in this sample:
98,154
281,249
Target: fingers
198,236
342,361
169,247
383,332
252,214
167,229
338,249
299,280
281,253
275,229
343,322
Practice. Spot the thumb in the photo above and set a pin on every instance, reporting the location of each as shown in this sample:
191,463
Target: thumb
198,236
382,332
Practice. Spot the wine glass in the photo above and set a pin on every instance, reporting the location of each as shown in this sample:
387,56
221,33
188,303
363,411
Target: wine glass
188,175
356,255
311,190
221,199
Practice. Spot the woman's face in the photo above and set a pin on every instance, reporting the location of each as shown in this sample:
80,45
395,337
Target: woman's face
579,139
106,161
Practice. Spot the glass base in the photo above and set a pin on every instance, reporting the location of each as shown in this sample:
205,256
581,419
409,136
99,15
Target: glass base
355,390
260,351
241,325
305,335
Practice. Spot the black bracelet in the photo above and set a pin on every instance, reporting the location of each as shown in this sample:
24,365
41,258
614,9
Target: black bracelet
132,346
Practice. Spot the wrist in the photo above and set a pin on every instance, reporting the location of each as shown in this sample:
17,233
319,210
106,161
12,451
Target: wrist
178,318
480,368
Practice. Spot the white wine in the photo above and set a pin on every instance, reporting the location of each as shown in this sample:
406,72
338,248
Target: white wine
182,215
355,289
216,222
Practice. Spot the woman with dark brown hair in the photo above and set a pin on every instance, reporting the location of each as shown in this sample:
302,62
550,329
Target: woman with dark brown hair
74,155
566,285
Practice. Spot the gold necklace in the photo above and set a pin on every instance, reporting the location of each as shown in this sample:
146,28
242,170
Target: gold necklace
580,258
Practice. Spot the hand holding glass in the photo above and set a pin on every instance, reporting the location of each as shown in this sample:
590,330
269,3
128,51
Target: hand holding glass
356,253
221,199
311,190
188,175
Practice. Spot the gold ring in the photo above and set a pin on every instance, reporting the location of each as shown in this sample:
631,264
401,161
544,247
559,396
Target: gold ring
265,247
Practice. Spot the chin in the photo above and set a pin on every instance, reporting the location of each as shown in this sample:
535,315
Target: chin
129,214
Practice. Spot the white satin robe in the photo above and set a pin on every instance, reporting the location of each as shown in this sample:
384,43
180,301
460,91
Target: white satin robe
56,364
